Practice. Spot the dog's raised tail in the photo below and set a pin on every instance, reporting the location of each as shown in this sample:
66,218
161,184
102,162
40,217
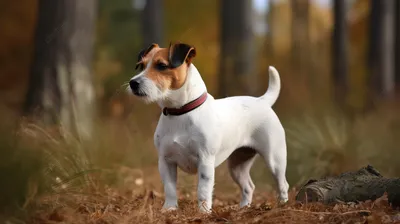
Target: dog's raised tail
274,86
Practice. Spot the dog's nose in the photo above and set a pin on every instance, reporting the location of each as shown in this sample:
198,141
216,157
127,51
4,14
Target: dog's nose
134,84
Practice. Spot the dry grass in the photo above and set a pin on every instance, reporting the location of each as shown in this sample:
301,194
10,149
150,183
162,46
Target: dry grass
144,207
49,176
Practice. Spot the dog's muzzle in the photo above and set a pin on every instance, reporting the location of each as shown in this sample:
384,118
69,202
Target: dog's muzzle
135,87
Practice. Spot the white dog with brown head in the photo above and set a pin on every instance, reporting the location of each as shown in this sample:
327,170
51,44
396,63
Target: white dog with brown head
197,133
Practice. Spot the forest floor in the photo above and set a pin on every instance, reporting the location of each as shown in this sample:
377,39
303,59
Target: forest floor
115,179
113,207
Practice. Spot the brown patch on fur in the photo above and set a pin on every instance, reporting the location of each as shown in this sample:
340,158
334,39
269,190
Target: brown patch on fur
147,55
170,78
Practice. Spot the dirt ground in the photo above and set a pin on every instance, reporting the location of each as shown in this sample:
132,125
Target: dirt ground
144,207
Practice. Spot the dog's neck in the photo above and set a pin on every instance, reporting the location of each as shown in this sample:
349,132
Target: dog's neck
193,87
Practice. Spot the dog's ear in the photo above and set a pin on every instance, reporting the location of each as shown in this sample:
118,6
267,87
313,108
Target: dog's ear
143,53
180,53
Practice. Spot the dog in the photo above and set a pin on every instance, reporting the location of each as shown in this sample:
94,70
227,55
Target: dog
196,132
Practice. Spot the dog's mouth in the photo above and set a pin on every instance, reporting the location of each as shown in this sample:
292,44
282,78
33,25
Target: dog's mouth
139,93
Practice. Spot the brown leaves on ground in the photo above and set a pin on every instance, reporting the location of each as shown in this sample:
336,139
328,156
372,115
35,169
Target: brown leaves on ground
144,207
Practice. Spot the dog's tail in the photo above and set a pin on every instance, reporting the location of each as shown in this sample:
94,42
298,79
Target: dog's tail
274,86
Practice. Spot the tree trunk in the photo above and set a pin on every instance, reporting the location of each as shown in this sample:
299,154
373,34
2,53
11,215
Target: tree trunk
152,22
397,46
60,87
362,185
382,48
237,48
340,51
271,28
300,35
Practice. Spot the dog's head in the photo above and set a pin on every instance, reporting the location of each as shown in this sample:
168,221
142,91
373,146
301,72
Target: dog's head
161,70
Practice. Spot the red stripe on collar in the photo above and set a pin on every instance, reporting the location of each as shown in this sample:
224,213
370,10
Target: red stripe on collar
187,107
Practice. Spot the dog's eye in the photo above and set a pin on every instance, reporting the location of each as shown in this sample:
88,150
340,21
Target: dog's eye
161,66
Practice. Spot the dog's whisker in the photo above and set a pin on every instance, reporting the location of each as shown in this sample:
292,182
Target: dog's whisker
126,84
122,88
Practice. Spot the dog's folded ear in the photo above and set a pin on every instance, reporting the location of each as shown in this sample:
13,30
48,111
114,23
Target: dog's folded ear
144,52
180,53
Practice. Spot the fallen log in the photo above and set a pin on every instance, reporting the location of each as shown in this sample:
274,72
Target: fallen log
362,185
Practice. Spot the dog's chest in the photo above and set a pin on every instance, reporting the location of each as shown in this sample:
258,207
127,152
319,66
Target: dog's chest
179,145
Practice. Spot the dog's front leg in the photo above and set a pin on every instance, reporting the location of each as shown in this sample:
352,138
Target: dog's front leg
206,170
168,172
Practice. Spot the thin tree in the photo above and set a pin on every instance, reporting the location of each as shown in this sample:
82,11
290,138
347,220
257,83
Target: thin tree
60,88
300,34
271,27
340,47
152,22
397,46
237,48
382,47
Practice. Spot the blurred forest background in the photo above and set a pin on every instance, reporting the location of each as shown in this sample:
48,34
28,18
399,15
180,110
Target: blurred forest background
68,123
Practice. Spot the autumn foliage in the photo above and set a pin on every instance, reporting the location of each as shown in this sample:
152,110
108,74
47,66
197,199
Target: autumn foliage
52,176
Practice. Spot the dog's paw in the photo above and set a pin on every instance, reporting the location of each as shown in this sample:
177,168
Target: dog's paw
282,202
244,205
169,209
203,208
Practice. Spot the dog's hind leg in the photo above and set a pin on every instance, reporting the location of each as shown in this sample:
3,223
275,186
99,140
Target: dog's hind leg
276,161
239,164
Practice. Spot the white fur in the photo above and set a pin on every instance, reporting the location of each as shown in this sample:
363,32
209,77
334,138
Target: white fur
153,92
199,141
